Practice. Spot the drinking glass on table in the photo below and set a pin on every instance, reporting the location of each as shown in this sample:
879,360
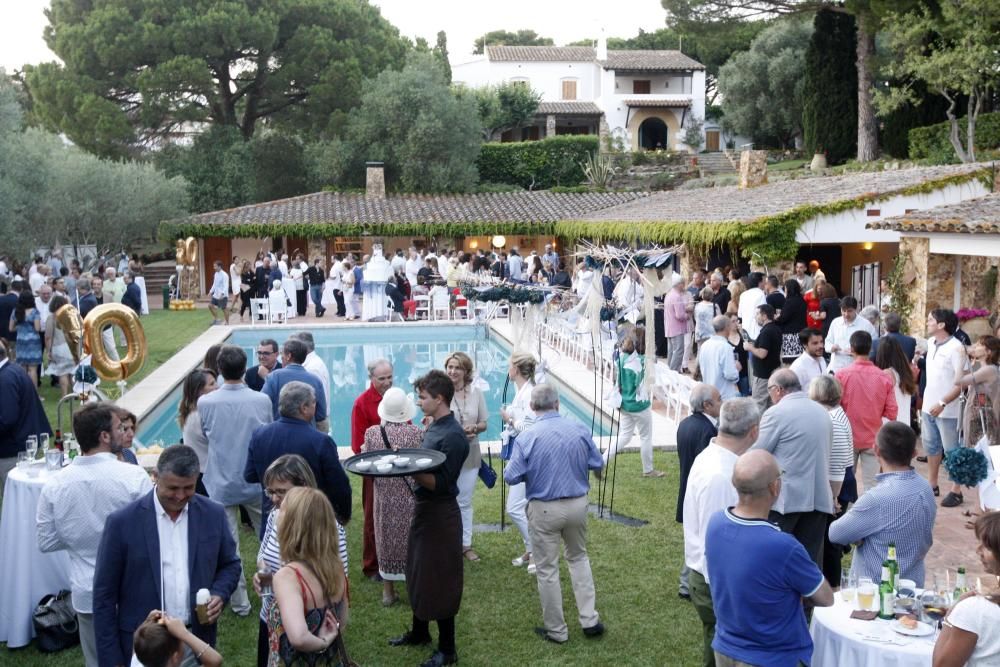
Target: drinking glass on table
31,446
43,442
848,586
866,593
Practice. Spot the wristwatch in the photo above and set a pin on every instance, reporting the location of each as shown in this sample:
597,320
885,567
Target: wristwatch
942,404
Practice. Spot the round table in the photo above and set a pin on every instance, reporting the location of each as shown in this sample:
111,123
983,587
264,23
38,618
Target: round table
28,575
840,640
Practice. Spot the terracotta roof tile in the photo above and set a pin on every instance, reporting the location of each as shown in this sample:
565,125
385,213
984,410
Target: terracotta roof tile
650,60
658,103
577,108
333,208
623,60
571,54
972,216
733,204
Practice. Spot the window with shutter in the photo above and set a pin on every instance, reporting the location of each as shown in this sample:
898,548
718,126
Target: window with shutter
569,90
640,87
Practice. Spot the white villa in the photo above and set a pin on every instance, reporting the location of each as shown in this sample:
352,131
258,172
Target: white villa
644,98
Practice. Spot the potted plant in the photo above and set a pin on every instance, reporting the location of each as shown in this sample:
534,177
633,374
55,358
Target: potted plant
819,160
975,322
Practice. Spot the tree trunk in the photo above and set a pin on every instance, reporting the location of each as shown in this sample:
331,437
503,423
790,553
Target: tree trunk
975,104
867,127
953,135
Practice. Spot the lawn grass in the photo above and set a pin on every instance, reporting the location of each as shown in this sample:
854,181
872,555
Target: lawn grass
167,331
635,573
788,165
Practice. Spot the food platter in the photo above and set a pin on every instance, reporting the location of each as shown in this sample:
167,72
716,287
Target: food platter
395,463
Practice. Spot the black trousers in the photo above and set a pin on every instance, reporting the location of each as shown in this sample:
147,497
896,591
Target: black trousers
341,308
263,646
245,301
301,301
809,528
833,554
446,632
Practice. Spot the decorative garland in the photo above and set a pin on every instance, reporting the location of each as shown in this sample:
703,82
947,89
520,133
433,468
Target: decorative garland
966,466
512,294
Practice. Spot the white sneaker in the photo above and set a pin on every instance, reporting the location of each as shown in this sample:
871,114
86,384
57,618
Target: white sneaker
532,569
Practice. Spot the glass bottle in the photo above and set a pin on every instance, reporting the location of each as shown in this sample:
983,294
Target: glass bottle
893,565
886,608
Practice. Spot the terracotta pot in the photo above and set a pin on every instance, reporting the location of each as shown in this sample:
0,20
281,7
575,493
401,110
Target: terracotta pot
977,327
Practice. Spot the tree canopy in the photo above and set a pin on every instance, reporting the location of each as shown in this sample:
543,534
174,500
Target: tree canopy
51,192
830,99
137,71
503,107
762,88
506,38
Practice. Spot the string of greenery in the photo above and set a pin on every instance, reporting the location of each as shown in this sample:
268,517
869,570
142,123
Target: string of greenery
771,237
508,293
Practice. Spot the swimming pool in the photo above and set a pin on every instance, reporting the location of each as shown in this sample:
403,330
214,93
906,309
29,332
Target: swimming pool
347,350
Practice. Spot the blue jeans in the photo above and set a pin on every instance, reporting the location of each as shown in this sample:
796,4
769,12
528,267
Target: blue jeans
316,292
939,434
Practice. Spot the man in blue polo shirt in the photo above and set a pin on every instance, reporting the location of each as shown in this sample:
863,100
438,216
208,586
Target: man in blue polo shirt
759,575
293,355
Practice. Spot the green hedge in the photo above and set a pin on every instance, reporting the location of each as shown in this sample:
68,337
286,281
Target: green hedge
536,165
931,142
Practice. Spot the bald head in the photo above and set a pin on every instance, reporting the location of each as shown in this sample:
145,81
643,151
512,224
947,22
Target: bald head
754,473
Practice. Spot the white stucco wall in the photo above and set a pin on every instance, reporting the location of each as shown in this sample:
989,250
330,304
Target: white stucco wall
849,226
980,245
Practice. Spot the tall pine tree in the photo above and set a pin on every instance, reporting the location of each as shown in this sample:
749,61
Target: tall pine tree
830,107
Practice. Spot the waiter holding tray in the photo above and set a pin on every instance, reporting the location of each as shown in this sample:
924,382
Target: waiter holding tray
434,567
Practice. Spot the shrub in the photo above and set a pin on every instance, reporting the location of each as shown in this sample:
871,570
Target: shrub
931,141
537,165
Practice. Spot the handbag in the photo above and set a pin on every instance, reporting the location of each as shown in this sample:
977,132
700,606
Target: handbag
55,623
487,473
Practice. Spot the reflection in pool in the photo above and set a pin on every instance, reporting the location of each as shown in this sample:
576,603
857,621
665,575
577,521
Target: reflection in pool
347,351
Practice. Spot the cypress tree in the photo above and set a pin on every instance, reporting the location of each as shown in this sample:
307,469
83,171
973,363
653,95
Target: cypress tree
830,107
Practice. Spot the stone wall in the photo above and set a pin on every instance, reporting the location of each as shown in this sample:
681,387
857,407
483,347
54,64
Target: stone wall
317,250
753,169
917,253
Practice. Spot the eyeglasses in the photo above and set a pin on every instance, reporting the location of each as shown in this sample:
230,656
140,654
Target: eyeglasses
265,353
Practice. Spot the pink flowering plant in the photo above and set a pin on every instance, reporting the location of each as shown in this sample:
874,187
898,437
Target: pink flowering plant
966,314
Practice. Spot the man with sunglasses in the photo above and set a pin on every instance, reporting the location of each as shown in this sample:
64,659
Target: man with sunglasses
267,361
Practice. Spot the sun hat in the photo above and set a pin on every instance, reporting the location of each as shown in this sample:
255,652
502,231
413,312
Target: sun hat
396,406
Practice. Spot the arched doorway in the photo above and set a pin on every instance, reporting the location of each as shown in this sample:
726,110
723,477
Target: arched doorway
653,134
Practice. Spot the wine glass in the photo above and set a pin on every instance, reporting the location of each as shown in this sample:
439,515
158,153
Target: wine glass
43,441
848,585
31,446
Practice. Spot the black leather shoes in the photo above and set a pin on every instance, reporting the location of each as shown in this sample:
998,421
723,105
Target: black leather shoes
595,630
438,659
408,639
544,634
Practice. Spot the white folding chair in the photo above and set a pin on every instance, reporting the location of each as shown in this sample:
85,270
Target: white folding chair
390,308
462,308
441,303
258,311
277,307
423,306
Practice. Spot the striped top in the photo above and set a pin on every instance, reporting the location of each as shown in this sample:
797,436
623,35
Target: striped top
900,509
842,452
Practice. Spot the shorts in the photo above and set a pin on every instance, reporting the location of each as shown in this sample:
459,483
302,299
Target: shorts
939,434
220,303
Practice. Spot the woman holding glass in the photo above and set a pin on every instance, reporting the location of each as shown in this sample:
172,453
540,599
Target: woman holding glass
971,634
469,407
393,507
516,417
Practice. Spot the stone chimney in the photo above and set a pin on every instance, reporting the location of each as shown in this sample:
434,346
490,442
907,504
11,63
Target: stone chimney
602,46
753,169
375,180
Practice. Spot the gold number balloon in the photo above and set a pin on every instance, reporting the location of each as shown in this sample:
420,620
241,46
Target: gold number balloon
114,314
68,319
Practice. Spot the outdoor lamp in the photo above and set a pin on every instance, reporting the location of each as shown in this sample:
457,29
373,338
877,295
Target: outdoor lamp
499,241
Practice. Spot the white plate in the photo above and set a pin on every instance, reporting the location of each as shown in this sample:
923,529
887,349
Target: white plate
922,629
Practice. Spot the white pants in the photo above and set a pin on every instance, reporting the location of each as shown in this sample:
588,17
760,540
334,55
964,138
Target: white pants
240,601
516,504
108,337
628,421
88,642
352,304
466,488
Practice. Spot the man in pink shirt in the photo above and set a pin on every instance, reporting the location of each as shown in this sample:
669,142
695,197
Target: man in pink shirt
868,398
675,321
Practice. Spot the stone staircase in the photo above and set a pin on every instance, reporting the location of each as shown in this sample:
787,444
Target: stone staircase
717,163
157,274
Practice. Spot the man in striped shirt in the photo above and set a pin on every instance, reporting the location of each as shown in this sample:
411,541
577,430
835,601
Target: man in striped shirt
900,510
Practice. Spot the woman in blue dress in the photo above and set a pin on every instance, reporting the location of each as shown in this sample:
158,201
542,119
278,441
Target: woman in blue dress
27,322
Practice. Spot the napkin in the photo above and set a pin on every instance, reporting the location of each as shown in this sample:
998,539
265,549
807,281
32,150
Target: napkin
864,615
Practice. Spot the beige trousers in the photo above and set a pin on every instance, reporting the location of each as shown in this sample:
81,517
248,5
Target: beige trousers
552,523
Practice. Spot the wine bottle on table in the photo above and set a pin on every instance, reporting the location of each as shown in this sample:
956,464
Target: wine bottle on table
59,440
886,607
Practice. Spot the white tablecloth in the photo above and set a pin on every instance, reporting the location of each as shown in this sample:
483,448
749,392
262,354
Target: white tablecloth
27,574
840,640
374,305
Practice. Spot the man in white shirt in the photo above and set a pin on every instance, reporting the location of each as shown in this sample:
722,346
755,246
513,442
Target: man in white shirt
42,303
628,295
398,262
811,363
838,338
413,265
945,363
76,501
515,266
337,284
219,295
710,490
37,279
749,301
315,365
717,362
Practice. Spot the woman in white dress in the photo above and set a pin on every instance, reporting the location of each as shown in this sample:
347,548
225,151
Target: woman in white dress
891,358
469,407
518,416
61,364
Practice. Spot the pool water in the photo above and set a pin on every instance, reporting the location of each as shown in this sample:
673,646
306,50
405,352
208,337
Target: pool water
412,350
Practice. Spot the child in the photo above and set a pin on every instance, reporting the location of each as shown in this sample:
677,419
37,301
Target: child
161,642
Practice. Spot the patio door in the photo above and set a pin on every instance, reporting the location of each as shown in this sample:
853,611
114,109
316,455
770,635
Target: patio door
712,141
215,248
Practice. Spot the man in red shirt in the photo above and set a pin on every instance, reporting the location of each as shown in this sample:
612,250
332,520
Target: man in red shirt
868,397
365,414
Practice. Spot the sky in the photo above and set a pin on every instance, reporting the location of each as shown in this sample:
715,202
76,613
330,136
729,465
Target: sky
463,20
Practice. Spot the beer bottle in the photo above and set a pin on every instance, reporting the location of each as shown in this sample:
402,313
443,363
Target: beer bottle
893,565
887,598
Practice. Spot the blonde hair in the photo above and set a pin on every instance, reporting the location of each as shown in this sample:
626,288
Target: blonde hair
736,288
525,364
464,362
307,532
